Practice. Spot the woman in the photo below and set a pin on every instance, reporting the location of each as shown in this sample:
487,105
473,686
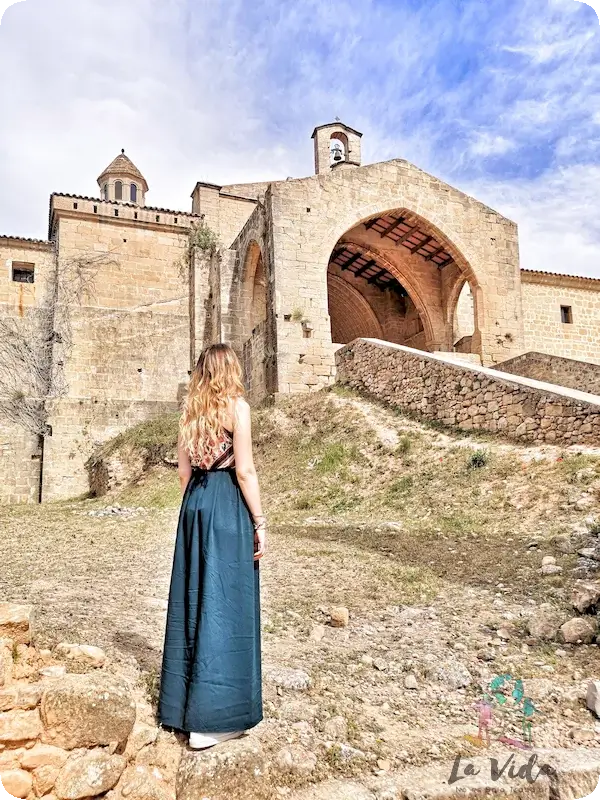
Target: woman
211,670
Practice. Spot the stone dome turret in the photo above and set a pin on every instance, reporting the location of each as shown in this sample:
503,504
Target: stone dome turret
122,181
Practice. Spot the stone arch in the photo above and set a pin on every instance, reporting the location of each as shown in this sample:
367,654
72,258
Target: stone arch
351,315
417,275
454,296
412,287
253,295
429,220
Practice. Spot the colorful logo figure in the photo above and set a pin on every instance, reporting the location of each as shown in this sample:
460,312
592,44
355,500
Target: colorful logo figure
504,701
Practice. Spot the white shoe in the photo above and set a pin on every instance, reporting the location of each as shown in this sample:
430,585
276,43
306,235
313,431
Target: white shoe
199,741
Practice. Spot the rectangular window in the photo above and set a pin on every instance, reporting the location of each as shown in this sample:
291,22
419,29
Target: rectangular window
22,272
566,315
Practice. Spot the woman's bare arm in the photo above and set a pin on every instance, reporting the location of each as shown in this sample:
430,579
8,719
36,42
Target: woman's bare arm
184,465
246,471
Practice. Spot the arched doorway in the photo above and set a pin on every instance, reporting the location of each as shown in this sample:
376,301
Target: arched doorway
252,322
463,320
391,277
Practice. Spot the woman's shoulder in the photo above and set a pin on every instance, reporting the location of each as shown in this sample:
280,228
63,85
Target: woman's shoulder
240,409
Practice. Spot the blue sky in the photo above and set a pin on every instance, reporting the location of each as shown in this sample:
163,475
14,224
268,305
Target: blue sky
501,99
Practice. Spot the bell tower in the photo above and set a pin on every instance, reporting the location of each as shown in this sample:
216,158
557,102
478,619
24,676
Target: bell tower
337,146
122,181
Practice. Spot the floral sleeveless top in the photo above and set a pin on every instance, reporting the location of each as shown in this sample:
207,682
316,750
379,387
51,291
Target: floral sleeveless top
218,456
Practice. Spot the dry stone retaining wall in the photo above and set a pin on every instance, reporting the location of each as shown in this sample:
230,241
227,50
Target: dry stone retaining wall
435,388
568,372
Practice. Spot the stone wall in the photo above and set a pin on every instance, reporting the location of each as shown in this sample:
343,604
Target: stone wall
20,458
72,726
78,427
20,305
131,348
254,364
435,388
580,375
311,215
543,296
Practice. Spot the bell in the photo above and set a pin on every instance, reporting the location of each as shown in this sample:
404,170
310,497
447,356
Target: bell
337,153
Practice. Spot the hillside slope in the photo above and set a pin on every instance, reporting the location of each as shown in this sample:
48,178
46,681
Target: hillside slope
433,540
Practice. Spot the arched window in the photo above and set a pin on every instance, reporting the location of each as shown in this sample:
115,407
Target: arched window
118,190
133,193
105,190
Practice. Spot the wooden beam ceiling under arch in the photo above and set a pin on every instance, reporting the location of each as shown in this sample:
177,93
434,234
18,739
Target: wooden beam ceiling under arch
406,232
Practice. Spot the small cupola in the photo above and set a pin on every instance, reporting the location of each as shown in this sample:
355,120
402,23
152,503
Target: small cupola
122,181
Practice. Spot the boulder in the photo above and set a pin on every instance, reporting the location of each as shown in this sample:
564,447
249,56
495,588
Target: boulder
15,622
19,726
294,679
573,773
220,772
544,625
449,672
579,630
85,654
43,755
592,697
88,774
551,569
17,782
44,779
22,696
87,710
296,759
339,617
138,783
140,736
586,595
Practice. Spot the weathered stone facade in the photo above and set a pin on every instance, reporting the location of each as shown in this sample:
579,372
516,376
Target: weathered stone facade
434,387
302,267
568,372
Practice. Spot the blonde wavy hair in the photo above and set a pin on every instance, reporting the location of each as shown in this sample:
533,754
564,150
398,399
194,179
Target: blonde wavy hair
214,383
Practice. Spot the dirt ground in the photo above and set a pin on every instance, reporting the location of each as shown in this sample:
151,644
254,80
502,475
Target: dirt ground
435,553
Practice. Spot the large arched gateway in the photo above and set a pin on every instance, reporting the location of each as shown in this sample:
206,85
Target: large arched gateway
382,251
393,277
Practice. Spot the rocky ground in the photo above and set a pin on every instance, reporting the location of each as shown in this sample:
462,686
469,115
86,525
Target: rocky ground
407,568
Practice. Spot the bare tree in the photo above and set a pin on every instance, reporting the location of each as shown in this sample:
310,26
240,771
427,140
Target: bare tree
35,347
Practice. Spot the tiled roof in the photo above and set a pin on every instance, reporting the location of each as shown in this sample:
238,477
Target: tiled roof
26,239
559,275
123,165
129,205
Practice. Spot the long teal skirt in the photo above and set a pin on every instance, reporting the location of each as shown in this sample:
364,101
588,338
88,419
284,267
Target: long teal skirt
211,669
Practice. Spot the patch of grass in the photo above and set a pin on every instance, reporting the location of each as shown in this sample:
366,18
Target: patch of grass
335,456
156,437
579,468
159,488
594,528
478,459
399,489
150,680
404,446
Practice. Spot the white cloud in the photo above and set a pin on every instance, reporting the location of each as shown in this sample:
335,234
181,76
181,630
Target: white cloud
486,144
502,104
558,224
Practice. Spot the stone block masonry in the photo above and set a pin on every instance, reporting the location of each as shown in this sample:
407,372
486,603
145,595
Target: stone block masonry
472,398
569,372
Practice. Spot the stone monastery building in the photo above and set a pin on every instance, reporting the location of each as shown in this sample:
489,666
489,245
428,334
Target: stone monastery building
122,297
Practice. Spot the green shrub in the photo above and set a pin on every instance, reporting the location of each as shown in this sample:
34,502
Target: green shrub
478,459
